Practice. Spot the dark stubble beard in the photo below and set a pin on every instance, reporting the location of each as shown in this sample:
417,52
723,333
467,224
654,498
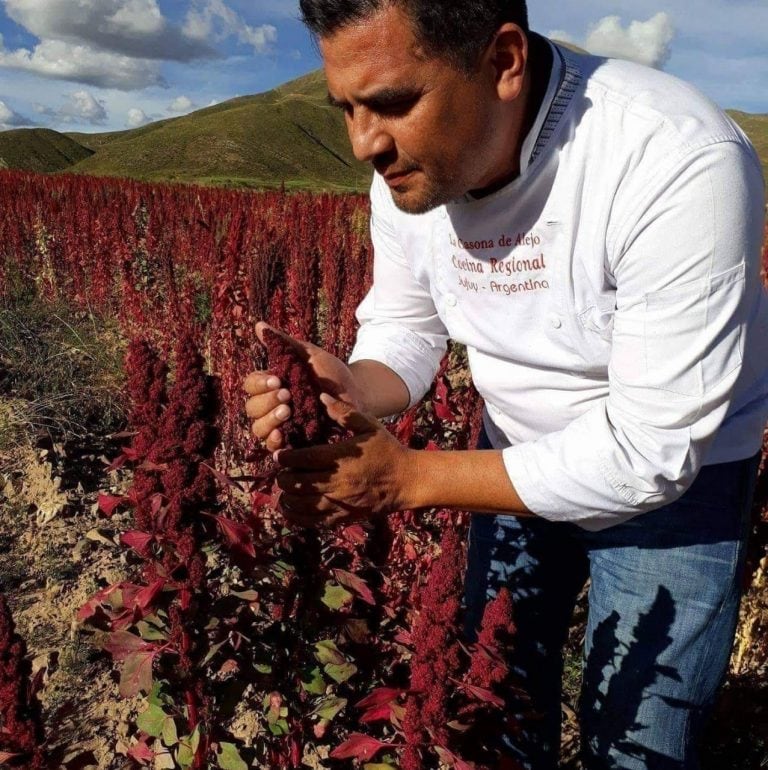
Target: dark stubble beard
432,194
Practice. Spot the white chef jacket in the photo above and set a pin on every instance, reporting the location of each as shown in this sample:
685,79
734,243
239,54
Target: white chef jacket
609,297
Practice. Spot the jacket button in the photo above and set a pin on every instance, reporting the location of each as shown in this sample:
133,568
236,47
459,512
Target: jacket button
451,300
555,322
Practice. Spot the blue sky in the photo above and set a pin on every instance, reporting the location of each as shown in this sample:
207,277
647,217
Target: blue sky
99,65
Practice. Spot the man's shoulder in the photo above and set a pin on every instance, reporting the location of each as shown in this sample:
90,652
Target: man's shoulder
639,100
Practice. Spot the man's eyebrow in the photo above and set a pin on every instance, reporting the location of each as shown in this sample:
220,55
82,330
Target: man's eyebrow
383,98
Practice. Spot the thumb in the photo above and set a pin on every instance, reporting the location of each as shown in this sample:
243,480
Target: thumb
348,417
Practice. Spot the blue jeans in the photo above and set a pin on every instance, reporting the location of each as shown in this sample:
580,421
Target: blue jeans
663,607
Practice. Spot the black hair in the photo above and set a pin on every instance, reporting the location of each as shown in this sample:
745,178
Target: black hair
457,30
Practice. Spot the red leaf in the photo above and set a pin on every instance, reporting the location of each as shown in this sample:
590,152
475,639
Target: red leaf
378,697
296,752
432,447
117,463
157,503
261,499
147,596
356,584
451,759
124,434
139,541
406,427
108,503
359,746
442,410
148,465
141,751
222,478
136,676
355,534
377,713
480,693
90,608
123,644
237,535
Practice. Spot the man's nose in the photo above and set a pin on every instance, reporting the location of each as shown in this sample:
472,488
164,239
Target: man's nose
368,136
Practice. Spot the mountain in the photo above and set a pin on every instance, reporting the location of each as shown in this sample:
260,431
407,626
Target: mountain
289,135
39,149
756,128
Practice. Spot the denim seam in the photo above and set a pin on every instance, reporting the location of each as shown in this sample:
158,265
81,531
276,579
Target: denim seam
736,555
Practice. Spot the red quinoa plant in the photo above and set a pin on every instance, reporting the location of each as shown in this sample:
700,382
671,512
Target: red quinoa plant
21,725
157,625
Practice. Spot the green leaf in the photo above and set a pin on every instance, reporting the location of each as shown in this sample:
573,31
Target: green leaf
170,735
185,755
263,668
214,649
229,758
279,728
163,758
151,721
249,596
336,597
341,672
330,707
378,766
158,696
328,652
136,675
150,633
313,682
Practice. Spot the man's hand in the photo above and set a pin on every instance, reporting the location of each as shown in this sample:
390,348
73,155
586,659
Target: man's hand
353,480
269,403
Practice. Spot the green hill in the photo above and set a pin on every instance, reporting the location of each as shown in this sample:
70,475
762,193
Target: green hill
289,135
756,128
39,149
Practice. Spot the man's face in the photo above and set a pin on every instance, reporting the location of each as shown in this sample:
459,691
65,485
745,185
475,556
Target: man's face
429,129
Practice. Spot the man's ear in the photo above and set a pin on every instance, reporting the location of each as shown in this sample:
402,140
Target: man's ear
508,56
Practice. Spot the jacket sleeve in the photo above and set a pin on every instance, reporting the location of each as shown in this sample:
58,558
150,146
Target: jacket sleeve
399,325
686,265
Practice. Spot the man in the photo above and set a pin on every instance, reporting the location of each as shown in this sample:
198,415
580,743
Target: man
591,230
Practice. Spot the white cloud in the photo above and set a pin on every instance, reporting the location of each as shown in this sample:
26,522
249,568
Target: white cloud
83,107
215,20
646,42
136,117
181,104
80,107
9,118
134,28
64,61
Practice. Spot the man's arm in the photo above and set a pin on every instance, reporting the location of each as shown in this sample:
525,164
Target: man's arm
382,392
372,474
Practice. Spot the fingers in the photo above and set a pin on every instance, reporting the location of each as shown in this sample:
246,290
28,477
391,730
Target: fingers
306,511
316,458
268,412
348,417
258,383
267,407
303,484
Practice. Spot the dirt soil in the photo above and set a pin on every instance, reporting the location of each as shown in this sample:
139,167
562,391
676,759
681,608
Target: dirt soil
57,550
